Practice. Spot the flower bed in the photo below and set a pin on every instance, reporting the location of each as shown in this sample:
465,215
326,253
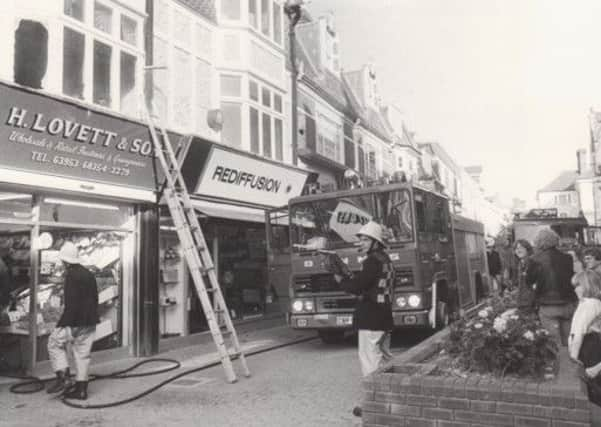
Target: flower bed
417,390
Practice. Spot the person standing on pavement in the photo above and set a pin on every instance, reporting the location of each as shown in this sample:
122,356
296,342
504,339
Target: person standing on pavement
525,299
373,313
552,271
76,326
494,265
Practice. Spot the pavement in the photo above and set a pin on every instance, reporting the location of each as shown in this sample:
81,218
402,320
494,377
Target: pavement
32,409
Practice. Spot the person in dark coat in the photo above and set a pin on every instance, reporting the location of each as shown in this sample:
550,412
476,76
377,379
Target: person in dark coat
373,313
494,265
551,272
77,325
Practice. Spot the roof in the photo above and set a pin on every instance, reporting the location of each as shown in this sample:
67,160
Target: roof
438,151
564,182
205,8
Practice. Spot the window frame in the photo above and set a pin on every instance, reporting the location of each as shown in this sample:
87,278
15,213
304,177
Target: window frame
276,147
93,34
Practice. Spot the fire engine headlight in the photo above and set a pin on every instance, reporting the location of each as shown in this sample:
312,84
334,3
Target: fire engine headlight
401,301
297,306
309,305
414,301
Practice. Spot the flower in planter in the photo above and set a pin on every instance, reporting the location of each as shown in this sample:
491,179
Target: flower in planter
504,341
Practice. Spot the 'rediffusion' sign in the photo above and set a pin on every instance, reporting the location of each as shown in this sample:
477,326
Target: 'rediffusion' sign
227,174
44,135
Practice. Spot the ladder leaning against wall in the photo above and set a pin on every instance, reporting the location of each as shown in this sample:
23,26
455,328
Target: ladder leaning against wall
195,249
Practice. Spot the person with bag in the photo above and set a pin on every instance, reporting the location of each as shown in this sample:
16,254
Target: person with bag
373,313
77,326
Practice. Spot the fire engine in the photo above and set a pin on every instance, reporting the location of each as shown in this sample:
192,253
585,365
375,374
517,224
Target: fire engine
574,232
439,258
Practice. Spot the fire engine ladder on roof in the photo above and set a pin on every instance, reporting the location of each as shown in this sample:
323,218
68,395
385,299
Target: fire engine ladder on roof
195,251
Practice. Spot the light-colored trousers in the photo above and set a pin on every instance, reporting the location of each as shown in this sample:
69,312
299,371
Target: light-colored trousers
374,350
80,340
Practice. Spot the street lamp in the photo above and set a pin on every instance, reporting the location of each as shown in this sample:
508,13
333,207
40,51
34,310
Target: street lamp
292,9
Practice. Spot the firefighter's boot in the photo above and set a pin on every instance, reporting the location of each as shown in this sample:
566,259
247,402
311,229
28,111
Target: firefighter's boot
78,391
61,381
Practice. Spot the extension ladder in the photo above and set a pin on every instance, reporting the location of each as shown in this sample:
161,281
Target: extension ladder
195,249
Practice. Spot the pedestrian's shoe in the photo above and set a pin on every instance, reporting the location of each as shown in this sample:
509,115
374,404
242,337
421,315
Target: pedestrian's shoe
78,391
59,384
357,411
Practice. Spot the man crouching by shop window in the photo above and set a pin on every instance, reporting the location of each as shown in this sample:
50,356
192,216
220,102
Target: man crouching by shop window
373,313
77,326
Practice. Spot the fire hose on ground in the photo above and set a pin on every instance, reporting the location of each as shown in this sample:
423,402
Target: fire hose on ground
34,384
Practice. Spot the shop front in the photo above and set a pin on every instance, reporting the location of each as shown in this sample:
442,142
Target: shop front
231,191
69,173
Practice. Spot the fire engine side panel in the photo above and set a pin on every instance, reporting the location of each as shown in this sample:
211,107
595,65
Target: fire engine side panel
470,255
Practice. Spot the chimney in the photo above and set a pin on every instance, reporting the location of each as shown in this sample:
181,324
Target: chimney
581,161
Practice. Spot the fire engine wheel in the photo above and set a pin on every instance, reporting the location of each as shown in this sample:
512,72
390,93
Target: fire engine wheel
331,337
442,315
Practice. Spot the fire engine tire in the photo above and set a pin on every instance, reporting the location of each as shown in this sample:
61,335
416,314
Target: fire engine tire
331,337
442,315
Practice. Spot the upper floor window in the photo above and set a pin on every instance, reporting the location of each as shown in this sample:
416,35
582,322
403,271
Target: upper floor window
266,121
74,9
266,17
400,163
101,54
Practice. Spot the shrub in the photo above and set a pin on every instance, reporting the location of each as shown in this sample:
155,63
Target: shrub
502,340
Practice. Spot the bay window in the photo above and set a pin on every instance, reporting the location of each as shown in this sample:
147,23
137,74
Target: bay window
266,121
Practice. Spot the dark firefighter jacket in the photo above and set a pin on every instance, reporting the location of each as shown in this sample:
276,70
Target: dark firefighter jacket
551,270
373,285
81,298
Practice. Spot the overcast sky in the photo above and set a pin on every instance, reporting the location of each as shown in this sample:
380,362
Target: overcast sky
506,84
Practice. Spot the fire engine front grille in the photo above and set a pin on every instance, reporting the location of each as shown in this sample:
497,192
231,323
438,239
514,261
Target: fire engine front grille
403,278
316,283
337,304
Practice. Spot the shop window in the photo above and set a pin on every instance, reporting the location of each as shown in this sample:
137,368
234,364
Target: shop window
31,53
265,16
232,122
278,136
74,9
253,90
252,14
277,102
103,17
266,97
266,135
73,58
128,83
254,131
230,85
102,74
129,30
230,9
82,212
277,23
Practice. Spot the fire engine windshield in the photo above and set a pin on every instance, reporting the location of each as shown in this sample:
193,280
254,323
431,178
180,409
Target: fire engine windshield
333,222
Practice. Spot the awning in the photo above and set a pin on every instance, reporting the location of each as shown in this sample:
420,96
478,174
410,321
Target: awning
220,210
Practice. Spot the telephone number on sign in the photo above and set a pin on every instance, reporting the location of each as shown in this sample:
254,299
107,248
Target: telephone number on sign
101,167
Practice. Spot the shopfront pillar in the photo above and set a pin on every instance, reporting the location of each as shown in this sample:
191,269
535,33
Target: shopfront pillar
147,309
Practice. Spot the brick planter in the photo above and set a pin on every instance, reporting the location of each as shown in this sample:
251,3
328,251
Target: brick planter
410,394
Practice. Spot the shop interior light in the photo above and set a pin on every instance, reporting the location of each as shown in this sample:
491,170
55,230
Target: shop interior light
66,202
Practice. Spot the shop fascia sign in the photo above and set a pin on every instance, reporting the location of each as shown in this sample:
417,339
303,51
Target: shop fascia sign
44,135
242,178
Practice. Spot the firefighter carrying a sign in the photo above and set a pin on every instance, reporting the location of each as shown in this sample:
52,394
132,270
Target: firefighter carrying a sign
373,313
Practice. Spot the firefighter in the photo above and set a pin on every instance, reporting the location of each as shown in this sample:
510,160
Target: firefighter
373,313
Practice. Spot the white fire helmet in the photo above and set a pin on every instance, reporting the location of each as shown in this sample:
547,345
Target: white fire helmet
374,230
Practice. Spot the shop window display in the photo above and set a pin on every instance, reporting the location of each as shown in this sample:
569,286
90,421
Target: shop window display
101,254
